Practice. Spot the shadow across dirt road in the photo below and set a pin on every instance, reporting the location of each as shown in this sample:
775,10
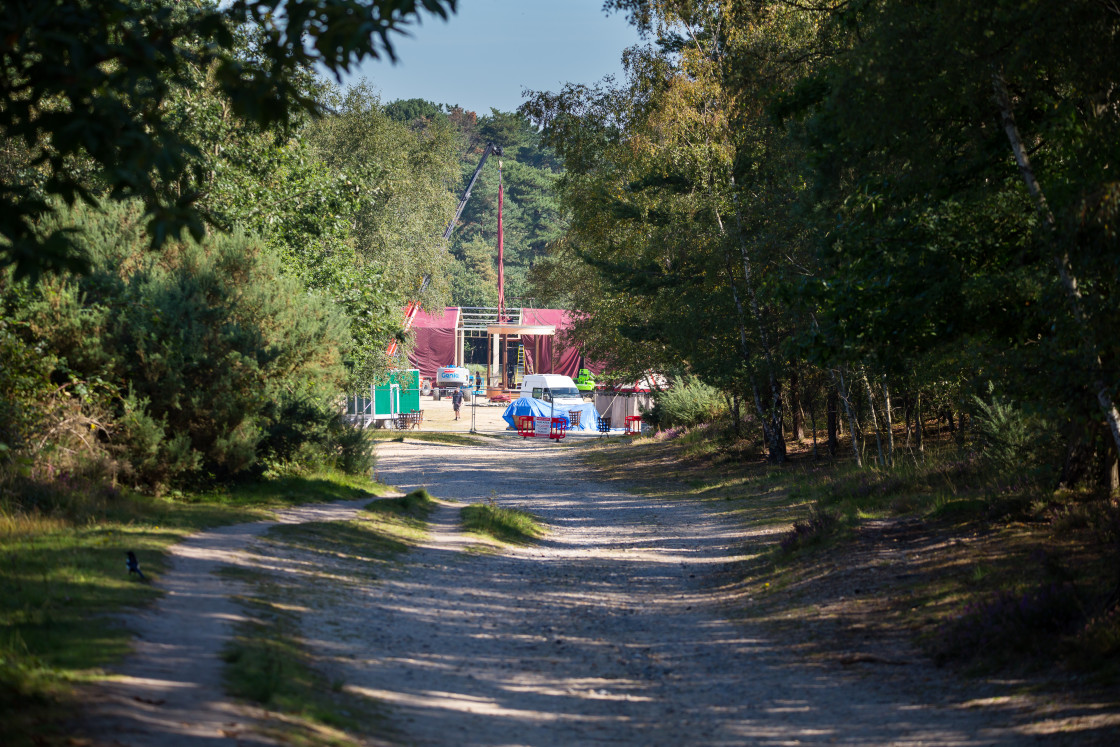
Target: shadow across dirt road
613,629
605,632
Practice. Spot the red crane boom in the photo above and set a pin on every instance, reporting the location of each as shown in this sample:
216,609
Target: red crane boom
414,305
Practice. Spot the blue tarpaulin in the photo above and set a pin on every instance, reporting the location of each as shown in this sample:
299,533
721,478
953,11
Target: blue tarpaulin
541,409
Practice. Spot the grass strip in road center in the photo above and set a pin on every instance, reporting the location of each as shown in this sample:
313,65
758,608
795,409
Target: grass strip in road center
435,437
269,664
503,524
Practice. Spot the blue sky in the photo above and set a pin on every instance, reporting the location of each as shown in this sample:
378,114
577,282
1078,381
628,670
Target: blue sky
491,50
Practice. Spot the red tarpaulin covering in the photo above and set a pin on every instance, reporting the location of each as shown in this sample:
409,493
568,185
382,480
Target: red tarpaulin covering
435,341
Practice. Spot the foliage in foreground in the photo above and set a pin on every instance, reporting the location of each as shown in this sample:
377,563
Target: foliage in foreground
87,92
150,370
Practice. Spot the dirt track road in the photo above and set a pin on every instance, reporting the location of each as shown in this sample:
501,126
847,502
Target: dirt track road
604,633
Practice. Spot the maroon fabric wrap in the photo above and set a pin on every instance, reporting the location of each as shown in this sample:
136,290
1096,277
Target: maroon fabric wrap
435,341
555,356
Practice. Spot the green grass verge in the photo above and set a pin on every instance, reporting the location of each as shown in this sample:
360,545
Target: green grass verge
64,584
412,509
385,529
503,524
435,437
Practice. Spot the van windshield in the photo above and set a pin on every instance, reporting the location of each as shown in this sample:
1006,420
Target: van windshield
560,392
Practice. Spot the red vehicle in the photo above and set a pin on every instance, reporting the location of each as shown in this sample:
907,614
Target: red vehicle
649,382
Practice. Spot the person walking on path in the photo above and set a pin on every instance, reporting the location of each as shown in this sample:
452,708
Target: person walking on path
456,400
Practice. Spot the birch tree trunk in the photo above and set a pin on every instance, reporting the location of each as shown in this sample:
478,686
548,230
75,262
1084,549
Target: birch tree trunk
874,417
918,430
1061,256
1114,477
777,405
907,411
772,418
842,391
744,348
890,423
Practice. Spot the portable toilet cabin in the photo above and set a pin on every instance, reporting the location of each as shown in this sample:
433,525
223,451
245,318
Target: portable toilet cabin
381,402
401,393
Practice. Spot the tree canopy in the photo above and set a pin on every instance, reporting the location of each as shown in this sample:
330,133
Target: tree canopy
311,214
533,218
85,87
916,194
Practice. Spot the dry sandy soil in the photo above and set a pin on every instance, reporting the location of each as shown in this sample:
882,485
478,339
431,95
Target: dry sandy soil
609,631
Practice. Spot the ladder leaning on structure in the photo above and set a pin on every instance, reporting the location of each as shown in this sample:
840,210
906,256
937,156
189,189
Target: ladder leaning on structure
519,372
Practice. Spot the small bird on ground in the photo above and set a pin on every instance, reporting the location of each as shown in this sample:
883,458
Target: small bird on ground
134,566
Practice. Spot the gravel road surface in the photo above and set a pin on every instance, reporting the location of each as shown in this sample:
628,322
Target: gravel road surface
609,631
602,634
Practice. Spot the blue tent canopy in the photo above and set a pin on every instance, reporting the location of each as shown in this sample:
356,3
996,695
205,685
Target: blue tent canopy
541,409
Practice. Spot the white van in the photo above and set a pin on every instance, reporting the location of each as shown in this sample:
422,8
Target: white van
554,388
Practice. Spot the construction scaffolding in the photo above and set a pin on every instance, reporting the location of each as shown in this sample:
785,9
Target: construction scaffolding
521,342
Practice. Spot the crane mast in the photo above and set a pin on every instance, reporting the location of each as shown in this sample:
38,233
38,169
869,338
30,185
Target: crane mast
414,305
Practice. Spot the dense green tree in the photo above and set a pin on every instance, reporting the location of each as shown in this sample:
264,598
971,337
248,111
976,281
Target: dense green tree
291,187
402,175
532,216
475,279
919,196
409,111
971,176
84,88
197,354
678,197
